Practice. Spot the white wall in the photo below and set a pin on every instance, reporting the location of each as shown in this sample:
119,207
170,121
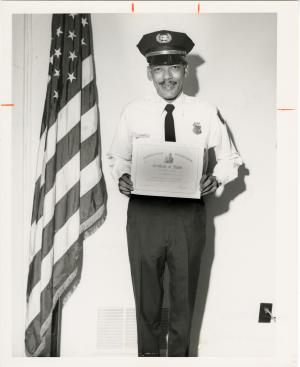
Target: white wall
239,76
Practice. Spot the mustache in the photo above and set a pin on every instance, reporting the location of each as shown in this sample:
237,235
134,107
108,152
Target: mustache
168,82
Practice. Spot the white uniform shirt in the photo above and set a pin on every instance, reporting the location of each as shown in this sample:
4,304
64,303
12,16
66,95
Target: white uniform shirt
195,122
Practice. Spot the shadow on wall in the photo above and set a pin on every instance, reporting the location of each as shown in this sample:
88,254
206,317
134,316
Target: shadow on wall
191,85
214,206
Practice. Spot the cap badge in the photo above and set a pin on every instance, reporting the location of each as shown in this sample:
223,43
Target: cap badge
197,129
163,37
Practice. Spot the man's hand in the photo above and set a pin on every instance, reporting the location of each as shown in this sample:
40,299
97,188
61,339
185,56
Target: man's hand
125,184
208,184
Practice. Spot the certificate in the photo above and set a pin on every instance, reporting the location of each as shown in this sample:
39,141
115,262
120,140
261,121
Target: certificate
166,169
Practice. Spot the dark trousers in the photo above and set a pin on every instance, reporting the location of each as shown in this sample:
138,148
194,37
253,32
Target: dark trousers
164,231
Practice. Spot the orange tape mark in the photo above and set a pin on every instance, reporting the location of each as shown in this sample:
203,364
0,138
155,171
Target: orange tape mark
198,8
7,105
285,109
132,7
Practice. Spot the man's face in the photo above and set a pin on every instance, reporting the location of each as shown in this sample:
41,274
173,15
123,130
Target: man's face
167,79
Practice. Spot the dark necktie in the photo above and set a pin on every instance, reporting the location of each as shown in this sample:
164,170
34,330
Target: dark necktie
169,124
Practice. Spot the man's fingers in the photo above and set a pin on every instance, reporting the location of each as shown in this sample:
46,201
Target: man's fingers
124,189
127,178
125,186
203,179
209,180
208,191
210,185
125,181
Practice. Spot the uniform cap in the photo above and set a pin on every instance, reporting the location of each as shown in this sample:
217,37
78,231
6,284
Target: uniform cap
165,47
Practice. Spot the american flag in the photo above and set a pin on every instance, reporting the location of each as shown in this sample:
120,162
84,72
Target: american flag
70,193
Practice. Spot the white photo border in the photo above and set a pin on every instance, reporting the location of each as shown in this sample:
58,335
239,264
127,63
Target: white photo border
286,165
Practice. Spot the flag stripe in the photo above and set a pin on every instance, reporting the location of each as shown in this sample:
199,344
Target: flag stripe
32,251
36,235
65,262
36,201
67,206
49,113
34,299
68,234
87,71
89,150
87,126
50,175
88,97
46,269
49,206
41,149
91,176
92,196
68,146
32,332
41,199
86,50
67,177
69,116
51,142
34,273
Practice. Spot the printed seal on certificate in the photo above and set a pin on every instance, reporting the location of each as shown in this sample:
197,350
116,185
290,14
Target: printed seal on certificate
166,169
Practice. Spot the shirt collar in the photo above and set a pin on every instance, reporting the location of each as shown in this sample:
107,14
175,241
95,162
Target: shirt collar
161,103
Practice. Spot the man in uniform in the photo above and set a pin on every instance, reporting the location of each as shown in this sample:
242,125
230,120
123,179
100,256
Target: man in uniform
168,231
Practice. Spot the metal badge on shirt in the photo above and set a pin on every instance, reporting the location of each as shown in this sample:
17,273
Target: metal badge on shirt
197,128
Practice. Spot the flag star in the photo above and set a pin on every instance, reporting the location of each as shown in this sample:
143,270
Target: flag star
83,42
84,21
55,94
56,72
57,53
71,35
72,15
59,31
72,55
71,77
51,59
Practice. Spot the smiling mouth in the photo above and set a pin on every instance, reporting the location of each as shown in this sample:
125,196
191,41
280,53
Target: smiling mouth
168,85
